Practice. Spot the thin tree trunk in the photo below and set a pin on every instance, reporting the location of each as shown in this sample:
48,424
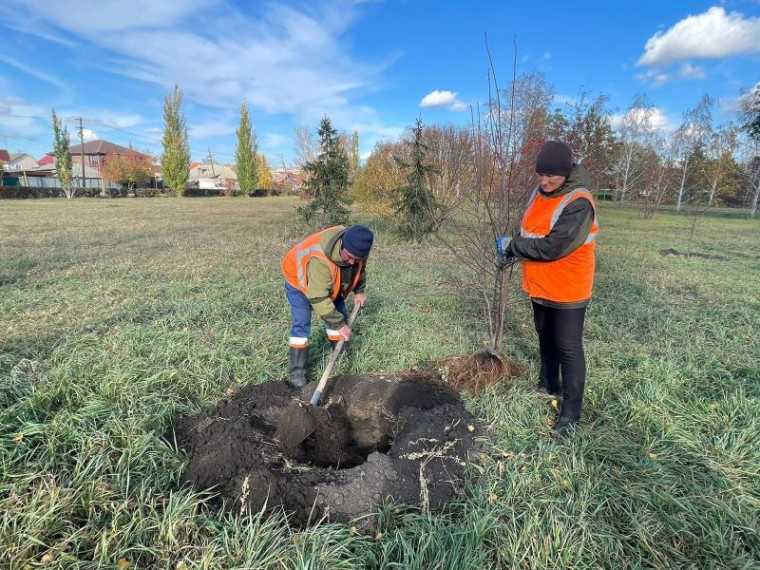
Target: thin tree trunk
713,189
683,183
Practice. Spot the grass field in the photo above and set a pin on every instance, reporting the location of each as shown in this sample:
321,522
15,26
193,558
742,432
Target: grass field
121,316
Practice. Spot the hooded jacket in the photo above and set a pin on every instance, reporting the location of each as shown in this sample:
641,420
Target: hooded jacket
568,233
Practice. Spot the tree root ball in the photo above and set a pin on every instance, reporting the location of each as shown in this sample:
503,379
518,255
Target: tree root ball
474,372
374,438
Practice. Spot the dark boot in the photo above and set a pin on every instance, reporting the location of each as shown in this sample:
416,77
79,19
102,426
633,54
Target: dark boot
299,358
541,389
566,426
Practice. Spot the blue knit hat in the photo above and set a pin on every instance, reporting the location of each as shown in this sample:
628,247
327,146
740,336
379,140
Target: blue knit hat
358,240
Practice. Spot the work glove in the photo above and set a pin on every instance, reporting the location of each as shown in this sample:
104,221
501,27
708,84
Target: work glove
503,251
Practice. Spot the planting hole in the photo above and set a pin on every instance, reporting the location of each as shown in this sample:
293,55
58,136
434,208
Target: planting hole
373,438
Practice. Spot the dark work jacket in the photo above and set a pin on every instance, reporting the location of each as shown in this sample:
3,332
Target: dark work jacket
569,232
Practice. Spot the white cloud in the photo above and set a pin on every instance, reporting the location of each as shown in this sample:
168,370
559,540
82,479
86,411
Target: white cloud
22,122
713,34
87,17
658,77
87,135
689,71
657,119
438,99
442,99
34,73
280,58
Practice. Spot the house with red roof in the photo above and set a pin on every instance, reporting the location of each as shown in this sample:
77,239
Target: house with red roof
95,153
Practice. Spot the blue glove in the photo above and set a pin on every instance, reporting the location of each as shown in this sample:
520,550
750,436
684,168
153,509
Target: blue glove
503,253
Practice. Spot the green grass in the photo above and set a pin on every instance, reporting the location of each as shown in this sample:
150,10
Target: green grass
120,316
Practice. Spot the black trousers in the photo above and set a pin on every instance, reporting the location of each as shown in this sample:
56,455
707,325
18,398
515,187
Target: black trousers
560,339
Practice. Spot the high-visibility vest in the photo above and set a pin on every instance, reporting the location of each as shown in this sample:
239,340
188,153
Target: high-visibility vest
295,261
571,278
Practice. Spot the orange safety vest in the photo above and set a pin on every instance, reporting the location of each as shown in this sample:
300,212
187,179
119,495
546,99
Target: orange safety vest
295,261
571,278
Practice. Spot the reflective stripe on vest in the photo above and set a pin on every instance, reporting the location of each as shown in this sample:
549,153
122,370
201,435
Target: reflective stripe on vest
300,264
558,212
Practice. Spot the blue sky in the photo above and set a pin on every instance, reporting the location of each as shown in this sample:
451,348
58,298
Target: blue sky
370,65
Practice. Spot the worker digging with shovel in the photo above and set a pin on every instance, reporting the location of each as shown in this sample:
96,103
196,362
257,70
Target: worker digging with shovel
320,272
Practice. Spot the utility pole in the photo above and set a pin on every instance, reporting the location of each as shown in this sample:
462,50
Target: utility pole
211,160
81,153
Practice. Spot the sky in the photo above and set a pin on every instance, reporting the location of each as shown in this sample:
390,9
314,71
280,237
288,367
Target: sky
372,66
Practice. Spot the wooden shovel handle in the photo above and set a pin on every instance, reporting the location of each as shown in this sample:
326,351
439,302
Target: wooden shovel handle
333,359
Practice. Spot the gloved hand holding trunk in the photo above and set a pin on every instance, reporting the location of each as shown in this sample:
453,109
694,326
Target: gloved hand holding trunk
503,251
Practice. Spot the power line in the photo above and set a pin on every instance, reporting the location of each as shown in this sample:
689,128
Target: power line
81,151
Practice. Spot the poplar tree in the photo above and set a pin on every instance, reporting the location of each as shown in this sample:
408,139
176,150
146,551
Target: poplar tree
327,182
176,157
266,180
62,154
353,158
245,154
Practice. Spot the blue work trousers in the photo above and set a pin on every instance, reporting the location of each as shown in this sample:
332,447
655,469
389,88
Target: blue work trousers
300,311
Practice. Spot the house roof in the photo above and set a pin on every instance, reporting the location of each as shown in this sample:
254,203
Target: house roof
292,175
101,147
219,171
47,159
4,156
19,155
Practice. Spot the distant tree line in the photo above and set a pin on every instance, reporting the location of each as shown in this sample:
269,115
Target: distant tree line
632,159
416,180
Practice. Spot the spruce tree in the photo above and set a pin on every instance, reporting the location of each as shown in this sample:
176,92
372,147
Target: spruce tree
416,203
327,181
245,154
61,150
176,158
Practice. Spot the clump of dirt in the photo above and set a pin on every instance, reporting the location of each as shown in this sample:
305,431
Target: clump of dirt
404,438
474,372
676,253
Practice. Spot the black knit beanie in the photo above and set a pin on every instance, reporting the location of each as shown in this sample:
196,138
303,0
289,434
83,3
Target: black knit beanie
358,240
554,158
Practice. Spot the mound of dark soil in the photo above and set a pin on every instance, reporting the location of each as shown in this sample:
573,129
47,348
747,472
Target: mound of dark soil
374,438
676,253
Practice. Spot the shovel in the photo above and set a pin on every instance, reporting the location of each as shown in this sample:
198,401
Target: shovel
333,359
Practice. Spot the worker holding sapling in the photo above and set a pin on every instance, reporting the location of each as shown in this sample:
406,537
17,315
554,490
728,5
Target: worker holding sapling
556,248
